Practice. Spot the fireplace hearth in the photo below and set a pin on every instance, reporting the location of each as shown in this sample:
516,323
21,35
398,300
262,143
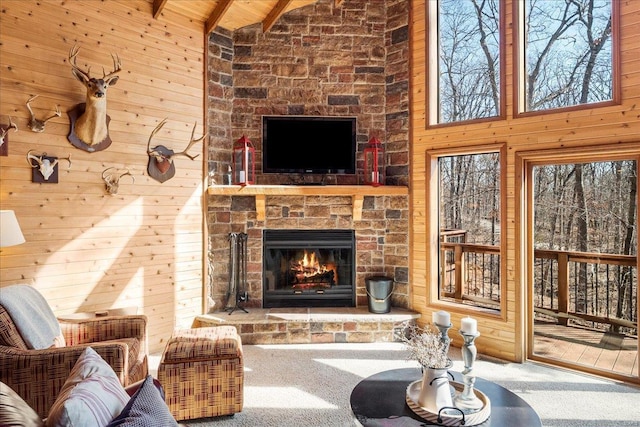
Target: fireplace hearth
308,268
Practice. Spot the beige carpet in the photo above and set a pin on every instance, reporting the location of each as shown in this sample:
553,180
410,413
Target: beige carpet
309,385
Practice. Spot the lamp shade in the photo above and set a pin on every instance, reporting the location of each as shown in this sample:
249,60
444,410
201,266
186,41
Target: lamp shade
10,233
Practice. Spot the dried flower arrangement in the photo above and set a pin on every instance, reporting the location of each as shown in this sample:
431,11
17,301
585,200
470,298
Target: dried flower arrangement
425,346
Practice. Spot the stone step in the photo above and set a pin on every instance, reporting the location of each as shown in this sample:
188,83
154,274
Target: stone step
311,325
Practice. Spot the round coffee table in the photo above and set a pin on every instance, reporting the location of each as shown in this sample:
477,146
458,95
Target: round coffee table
380,399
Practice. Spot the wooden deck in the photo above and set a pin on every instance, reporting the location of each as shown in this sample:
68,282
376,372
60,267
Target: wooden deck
599,350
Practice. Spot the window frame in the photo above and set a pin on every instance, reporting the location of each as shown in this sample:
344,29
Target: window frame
432,69
526,161
432,249
520,70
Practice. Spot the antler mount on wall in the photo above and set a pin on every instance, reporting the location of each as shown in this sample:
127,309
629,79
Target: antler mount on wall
111,177
4,138
45,168
35,124
89,120
160,166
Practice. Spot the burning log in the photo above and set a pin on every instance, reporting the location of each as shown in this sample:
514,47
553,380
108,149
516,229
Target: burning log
311,285
319,280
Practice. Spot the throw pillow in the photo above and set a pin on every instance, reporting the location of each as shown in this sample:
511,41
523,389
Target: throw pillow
146,408
14,411
91,396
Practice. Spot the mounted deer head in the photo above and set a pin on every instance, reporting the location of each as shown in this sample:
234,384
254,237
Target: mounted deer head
5,130
112,179
46,165
89,121
37,125
160,166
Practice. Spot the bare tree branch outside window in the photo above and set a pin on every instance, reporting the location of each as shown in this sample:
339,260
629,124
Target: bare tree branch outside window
588,209
469,223
469,59
568,53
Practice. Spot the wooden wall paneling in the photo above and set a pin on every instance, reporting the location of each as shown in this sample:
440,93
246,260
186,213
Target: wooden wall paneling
85,249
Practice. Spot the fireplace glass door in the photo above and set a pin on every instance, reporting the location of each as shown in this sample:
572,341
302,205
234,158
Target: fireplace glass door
308,268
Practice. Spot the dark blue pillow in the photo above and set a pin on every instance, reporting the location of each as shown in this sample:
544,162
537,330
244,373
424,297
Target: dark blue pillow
146,408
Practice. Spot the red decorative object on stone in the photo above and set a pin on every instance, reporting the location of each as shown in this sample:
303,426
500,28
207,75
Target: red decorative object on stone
244,170
374,163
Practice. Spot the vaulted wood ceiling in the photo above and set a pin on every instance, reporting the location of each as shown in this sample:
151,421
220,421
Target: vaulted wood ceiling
229,14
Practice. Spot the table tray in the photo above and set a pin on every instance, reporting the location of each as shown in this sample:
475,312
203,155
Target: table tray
448,419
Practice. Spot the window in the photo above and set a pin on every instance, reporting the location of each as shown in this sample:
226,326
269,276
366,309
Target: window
467,43
582,266
568,53
469,227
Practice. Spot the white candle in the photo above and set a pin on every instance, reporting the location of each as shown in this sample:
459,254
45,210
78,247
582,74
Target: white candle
374,177
442,318
240,176
469,326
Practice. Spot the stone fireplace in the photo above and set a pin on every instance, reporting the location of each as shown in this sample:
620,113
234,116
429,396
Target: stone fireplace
379,238
348,60
308,268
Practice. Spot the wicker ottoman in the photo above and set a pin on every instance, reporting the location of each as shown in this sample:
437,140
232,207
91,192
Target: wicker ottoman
202,372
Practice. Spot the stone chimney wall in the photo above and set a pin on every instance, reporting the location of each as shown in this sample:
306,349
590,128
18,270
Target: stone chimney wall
351,60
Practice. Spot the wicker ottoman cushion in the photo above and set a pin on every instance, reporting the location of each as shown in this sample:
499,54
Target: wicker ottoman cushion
202,372
203,344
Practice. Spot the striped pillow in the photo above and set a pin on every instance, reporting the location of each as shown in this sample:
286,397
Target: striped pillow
91,396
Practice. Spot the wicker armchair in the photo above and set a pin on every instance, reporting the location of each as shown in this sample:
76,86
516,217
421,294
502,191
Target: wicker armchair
37,375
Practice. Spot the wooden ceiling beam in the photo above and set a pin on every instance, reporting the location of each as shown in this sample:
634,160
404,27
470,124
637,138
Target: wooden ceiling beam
158,6
275,13
216,16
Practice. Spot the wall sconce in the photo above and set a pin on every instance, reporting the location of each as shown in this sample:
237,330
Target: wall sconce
243,162
10,232
374,163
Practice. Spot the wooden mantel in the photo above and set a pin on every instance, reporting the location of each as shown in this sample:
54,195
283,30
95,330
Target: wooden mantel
357,193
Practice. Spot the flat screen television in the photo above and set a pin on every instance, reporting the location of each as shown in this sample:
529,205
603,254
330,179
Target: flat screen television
309,144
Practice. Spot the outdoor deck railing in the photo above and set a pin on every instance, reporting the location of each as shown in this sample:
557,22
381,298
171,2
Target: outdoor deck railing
593,289
587,287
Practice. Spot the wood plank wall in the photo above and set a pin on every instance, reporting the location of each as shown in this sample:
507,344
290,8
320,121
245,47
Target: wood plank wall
87,250
610,128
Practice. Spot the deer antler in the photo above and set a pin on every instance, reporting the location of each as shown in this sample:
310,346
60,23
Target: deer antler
112,180
11,126
153,133
45,165
35,124
85,75
116,67
68,159
191,143
80,74
4,131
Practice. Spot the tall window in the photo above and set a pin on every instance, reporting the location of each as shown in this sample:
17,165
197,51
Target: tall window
468,74
583,218
568,53
470,228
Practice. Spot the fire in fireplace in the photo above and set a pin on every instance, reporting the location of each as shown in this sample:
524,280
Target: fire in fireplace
308,268
309,273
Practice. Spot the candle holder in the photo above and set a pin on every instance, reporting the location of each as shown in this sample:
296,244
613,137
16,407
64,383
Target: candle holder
467,400
444,335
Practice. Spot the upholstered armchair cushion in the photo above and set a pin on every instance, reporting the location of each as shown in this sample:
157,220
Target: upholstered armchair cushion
38,375
32,316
